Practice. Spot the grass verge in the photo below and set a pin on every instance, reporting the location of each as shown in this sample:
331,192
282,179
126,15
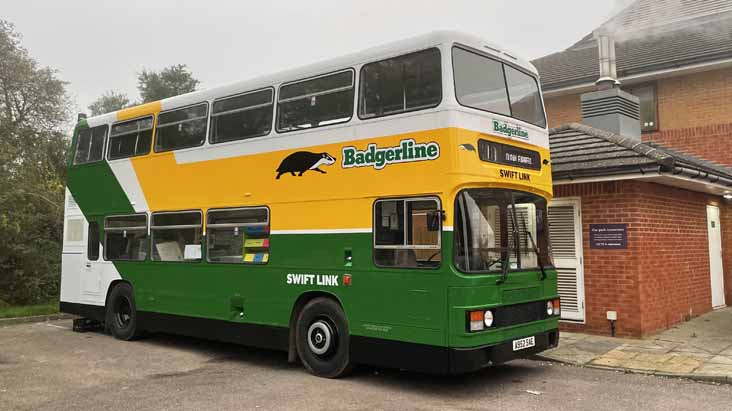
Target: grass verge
13,311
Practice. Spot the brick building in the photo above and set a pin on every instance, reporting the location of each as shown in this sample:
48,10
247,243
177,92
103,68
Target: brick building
659,189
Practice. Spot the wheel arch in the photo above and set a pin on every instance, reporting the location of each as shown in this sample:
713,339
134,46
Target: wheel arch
301,301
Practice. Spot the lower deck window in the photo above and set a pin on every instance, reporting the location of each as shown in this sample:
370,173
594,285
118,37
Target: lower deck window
176,236
125,237
238,236
407,233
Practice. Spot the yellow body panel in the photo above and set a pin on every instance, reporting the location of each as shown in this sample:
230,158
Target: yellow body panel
342,197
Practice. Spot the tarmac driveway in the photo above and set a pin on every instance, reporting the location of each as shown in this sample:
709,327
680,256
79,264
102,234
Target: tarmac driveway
47,366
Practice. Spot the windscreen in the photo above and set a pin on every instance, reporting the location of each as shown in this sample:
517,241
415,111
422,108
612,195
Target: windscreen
490,85
497,227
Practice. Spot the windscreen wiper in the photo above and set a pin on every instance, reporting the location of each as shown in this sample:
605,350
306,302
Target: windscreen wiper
538,257
516,240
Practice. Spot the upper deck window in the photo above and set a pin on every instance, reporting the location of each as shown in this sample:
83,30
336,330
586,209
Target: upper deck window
243,116
181,128
321,101
489,85
400,84
90,145
130,138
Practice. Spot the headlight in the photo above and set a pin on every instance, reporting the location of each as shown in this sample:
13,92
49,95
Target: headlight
549,308
488,318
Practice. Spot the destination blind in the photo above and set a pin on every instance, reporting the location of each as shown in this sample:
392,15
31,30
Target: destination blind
505,154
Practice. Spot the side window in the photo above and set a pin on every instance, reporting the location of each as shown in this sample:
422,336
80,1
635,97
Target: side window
176,236
130,138
407,233
401,84
648,106
321,101
125,238
181,128
238,236
90,145
240,117
92,247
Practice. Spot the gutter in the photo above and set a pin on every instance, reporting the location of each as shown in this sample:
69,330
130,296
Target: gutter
675,70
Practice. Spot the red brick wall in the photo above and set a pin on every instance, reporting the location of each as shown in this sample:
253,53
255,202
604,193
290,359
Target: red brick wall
703,141
611,276
694,113
726,223
663,276
674,272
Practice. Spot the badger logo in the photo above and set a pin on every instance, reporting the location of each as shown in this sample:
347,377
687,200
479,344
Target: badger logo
303,161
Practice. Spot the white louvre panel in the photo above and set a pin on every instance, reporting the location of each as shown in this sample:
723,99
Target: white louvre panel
561,231
567,286
71,204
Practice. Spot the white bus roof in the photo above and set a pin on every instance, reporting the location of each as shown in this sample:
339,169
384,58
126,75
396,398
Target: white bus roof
327,66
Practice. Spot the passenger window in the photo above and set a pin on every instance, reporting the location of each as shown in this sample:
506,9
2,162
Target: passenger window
240,117
130,138
401,84
176,236
407,233
90,145
92,247
321,101
238,236
125,238
181,128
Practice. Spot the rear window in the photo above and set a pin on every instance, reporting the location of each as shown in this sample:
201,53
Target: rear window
490,85
90,145
400,84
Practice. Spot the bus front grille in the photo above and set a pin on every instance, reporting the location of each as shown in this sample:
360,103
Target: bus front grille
519,313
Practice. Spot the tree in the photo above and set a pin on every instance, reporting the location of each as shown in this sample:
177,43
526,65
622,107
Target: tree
33,109
109,102
171,81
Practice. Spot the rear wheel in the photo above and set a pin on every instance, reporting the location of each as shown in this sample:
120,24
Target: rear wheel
121,316
322,338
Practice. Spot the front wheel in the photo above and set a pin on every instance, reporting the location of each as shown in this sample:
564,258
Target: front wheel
322,338
121,316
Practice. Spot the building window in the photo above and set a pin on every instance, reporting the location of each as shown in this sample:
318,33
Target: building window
646,93
176,236
92,246
130,138
318,102
181,128
238,236
240,117
407,233
90,145
125,238
401,84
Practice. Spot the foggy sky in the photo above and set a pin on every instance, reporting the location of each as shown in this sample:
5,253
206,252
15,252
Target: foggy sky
101,45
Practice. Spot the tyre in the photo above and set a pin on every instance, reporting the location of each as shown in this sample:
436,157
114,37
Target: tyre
121,316
322,338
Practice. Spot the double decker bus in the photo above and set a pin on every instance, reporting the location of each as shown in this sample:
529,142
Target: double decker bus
385,208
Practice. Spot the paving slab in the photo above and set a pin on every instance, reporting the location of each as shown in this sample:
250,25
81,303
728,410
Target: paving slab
698,349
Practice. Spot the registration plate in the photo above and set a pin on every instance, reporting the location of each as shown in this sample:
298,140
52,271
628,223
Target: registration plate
523,343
